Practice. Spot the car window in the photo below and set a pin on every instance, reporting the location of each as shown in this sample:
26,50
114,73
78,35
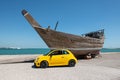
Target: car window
57,53
64,52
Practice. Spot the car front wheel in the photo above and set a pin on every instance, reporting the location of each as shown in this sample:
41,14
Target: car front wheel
44,64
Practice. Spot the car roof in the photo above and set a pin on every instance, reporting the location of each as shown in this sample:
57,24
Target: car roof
59,49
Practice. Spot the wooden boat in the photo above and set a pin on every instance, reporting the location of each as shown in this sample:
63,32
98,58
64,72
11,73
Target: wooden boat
88,44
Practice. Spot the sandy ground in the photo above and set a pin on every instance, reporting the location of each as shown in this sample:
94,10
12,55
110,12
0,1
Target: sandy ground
105,67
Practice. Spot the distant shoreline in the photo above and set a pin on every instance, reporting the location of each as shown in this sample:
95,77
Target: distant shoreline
30,51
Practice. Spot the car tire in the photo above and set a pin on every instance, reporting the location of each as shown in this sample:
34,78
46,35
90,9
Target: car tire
71,63
44,64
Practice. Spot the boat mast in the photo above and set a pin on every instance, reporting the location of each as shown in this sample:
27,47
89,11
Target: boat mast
56,25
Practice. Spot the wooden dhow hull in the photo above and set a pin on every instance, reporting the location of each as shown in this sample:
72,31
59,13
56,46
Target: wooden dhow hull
89,43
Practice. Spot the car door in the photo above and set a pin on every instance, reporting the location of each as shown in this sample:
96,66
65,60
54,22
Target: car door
57,58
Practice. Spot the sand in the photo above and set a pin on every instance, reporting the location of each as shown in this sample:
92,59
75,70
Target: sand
104,67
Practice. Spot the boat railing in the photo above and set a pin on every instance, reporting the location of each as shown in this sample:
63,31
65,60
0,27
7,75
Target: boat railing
95,34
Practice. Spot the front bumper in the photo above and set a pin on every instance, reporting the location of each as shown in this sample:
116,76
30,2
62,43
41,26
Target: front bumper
36,64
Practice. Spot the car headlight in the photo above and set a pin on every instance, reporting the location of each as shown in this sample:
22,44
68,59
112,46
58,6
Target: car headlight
37,59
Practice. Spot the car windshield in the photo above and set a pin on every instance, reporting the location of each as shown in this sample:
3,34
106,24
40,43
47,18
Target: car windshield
47,52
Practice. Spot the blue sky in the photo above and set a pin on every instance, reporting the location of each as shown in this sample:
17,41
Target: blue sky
74,16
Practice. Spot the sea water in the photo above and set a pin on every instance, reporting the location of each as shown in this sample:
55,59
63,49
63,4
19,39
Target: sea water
11,51
25,51
110,50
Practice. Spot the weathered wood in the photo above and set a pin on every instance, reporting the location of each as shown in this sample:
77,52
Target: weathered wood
93,41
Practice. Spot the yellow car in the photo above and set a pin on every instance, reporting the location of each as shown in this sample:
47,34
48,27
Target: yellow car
56,58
